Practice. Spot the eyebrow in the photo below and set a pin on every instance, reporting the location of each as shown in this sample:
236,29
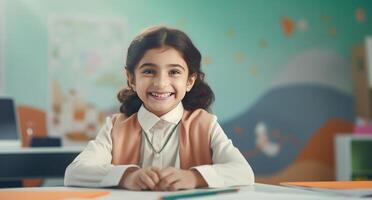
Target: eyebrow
155,65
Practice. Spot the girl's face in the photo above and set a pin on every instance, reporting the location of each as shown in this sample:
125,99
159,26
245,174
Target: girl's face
161,79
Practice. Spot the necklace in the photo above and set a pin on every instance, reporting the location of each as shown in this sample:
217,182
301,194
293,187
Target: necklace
157,152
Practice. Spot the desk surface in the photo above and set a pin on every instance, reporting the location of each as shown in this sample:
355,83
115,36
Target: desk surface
258,191
23,150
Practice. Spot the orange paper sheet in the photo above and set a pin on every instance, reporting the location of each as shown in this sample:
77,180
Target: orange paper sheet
333,184
52,195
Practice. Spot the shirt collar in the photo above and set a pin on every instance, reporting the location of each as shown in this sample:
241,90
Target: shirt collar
148,119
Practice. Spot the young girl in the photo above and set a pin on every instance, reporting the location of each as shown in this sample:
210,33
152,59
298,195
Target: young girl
163,139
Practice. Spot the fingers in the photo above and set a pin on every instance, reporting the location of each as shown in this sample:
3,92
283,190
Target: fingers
147,180
156,179
154,176
177,185
157,170
140,185
168,181
177,179
167,177
166,172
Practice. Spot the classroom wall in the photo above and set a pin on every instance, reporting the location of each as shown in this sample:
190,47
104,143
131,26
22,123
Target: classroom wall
2,82
280,70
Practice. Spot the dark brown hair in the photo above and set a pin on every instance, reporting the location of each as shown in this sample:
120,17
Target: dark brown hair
200,96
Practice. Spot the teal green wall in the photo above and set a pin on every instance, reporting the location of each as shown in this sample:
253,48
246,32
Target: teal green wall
207,23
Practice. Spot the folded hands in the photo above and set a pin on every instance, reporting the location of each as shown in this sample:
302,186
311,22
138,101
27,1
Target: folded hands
168,179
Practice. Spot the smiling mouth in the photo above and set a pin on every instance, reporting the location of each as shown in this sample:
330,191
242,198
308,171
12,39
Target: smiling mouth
162,95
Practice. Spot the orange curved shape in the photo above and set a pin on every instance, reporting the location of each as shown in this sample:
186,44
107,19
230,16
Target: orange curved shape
300,171
320,146
316,160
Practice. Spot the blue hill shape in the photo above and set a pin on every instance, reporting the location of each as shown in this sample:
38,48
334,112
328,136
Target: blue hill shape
294,112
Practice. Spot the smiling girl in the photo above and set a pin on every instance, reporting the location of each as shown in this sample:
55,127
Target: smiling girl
164,138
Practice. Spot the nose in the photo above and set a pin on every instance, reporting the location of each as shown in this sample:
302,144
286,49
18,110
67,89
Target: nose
161,80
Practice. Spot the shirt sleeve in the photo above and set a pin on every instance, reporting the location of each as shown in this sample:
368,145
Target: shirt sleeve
229,167
92,167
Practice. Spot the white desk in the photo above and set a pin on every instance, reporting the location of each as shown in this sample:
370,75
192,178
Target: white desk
256,192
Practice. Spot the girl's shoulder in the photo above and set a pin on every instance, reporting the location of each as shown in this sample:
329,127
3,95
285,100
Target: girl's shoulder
120,117
199,115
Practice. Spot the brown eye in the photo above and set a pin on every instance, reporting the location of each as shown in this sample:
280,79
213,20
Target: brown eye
174,72
148,71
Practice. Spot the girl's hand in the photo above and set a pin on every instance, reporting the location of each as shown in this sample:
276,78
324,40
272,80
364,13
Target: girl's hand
175,179
140,179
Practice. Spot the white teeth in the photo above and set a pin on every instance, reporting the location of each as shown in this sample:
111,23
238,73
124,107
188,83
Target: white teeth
161,95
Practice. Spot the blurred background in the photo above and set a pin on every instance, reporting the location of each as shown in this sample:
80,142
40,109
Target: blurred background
288,75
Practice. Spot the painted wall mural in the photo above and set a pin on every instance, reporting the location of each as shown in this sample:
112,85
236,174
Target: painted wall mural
84,55
282,78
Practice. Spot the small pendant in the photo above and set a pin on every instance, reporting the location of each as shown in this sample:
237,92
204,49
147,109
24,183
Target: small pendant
157,155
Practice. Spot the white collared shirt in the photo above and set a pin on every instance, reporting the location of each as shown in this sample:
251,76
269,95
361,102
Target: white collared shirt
93,168
158,130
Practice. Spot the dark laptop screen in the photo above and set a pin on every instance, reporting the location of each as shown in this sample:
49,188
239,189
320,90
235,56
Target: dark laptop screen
8,123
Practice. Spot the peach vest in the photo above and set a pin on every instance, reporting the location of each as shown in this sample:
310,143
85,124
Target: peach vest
194,139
